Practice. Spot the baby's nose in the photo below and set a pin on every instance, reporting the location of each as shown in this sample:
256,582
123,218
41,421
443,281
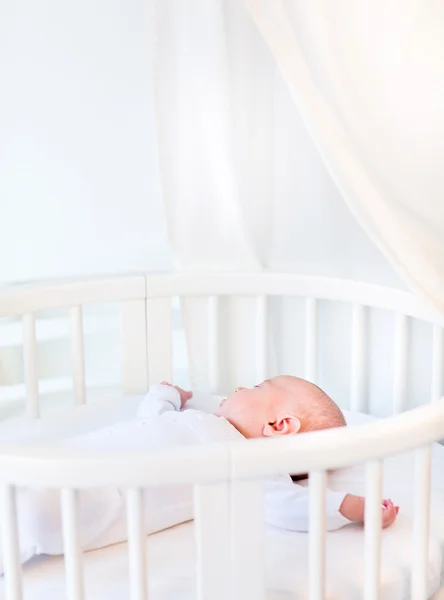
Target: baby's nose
239,389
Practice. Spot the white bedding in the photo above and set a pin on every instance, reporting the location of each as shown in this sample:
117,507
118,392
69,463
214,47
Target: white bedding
171,553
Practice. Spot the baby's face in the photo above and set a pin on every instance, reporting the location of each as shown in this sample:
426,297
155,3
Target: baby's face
245,398
247,408
250,400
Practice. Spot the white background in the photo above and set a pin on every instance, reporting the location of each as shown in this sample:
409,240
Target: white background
79,191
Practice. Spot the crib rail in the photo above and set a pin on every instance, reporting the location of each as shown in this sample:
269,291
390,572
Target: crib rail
30,363
10,543
78,355
71,547
325,450
19,300
136,545
146,308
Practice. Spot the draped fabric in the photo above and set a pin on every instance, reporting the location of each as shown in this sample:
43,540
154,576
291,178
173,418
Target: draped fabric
368,81
243,184
301,136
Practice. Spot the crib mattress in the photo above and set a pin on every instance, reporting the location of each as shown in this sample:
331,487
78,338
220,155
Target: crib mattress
171,553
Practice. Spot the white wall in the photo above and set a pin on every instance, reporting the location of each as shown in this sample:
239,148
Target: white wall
79,190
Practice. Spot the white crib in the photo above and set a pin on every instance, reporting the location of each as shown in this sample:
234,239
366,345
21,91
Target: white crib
230,550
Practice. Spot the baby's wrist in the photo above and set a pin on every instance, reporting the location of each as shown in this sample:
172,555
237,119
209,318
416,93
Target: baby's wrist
353,507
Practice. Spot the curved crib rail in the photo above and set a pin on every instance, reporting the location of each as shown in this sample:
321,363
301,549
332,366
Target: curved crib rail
257,459
19,300
146,301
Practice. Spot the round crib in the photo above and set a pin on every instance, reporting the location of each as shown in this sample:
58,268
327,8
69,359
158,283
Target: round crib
226,477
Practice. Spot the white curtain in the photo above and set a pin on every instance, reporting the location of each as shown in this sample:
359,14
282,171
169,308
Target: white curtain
196,144
197,157
243,183
368,81
270,115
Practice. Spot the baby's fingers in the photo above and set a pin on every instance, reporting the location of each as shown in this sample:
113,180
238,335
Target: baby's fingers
389,513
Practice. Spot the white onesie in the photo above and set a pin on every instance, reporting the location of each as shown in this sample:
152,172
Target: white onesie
159,423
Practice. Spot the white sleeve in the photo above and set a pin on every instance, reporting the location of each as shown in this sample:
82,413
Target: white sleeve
160,399
287,506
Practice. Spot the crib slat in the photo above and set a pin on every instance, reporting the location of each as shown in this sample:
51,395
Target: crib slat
30,365
71,546
421,524
373,527
262,339
311,339
213,343
10,544
400,367
358,374
136,545
317,536
247,540
211,523
134,350
437,363
159,339
78,354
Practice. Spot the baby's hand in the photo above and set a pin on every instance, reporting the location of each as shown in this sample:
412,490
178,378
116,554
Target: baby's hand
353,508
389,513
184,396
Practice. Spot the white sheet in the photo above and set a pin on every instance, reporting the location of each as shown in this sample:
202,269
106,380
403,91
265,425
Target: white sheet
171,554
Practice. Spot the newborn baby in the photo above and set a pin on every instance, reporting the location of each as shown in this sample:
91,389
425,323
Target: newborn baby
280,406
288,405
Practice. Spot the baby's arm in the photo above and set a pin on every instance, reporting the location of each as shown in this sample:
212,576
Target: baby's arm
287,507
162,398
353,508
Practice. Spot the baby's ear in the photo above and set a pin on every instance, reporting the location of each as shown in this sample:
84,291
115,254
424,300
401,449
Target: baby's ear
285,425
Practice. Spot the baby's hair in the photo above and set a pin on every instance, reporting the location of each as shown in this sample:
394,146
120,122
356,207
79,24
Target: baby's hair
319,411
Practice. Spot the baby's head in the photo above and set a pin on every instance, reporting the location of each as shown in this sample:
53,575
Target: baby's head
283,405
